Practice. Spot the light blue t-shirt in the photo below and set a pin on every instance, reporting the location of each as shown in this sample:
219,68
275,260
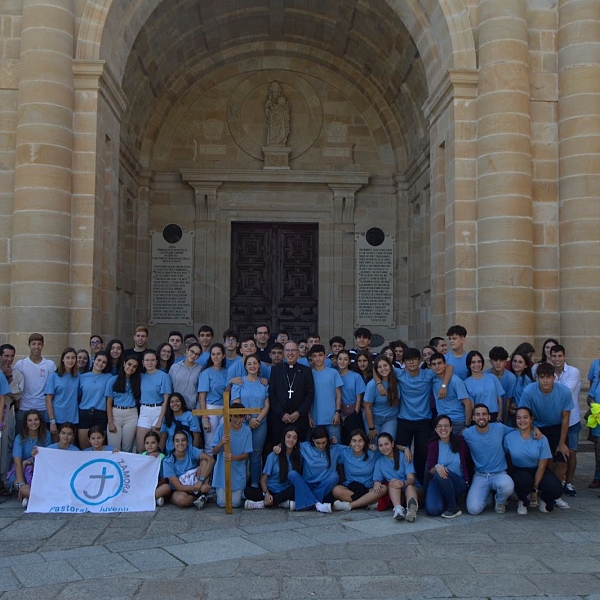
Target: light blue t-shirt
526,453
190,425
252,394
271,470
485,390
547,408
521,383
354,386
5,386
416,394
91,390
452,405
65,390
213,382
154,387
22,448
357,468
172,467
121,399
237,369
241,443
384,468
379,404
105,448
72,448
486,448
315,467
304,361
326,383
459,364
449,459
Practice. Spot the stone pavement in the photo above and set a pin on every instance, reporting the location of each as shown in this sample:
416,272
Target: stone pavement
280,554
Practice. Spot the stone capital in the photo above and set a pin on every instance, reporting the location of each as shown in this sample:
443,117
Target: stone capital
456,85
343,201
206,199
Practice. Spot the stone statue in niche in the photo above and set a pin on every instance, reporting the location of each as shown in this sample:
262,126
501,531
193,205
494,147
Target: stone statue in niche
277,110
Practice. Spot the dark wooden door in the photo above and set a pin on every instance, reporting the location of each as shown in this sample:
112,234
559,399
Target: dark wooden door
274,277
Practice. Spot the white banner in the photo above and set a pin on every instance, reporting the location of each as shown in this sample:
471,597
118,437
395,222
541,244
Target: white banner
99,482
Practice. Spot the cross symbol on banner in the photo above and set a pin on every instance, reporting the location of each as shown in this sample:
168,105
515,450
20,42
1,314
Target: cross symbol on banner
226,411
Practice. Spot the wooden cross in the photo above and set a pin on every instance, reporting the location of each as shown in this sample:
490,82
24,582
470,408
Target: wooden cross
226,411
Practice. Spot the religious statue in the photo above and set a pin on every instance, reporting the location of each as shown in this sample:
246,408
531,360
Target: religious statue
277,110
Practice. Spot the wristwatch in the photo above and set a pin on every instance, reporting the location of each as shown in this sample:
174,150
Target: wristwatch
444,386
201,479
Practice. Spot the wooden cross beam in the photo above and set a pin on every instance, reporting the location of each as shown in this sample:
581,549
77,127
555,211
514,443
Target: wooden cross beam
226,411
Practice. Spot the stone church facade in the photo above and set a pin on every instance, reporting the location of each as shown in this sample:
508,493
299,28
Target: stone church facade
466,131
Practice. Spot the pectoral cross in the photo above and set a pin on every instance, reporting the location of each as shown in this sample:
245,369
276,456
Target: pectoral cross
290,392
226,411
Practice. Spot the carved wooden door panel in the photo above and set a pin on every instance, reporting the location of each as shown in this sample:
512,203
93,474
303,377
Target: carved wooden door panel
274,277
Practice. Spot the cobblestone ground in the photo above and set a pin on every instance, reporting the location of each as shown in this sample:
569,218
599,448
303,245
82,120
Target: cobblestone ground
280,554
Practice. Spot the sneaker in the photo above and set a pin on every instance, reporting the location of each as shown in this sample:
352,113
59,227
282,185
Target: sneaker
570,490
542,506
560,503
285,504
323,507
595,484
500,508
160,501
411,513
340,505
373,506
24,502
399,513
532,503
250,505
292,505
200,502
451,513
521,508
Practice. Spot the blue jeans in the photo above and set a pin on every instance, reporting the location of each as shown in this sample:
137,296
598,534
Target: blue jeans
303,497
324,487
480,493
442,494
383,424
335,431
259,435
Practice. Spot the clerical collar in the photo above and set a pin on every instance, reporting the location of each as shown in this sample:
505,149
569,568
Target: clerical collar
291,366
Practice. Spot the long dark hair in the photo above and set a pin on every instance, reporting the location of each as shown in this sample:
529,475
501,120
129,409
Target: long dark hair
364,438
321,432
41,431
170,361
121,358
105,354
454,441
209,362
369,372
543,359
120,384
470,358
393,398
180,430
295,457
61,366
395,451
169,414
527,369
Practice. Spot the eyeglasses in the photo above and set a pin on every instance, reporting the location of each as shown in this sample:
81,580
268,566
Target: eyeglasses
194,353
442,426
95,343
230,340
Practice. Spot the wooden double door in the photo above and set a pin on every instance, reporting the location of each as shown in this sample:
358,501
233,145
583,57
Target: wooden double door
274,277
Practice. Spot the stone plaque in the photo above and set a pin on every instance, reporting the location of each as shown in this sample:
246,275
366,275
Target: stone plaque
172,276
375,280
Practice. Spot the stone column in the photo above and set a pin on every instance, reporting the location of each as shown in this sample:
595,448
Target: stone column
579,177
42,201
504,205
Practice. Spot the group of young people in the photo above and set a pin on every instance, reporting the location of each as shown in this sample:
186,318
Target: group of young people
400,428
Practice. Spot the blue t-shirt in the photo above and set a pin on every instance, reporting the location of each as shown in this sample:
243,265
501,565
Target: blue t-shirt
357,468
237,369
326,383
547,408
105,448
271,470
416,393
508,382
213,382
315,467
486,448
459,364
65,390
384,468
452,405
5,386
22,448
173,467
449,459
121,399
252,394
241,443
526,453
354,386
154,387
520,384
72,448
379,404
203,358
485,390
186,421
304,361
91,390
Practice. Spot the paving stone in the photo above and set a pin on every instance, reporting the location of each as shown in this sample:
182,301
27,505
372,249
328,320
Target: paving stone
211,534
8,580
266,528
167,528
394,587
151,559
25,529
249,588
57,571
17,559
388,526
184,588
334,534
201,552
108,565
276,567
118,588
81,552
571,564
507,564
491,585
350,566
224,568
45,592
276,542
558,584
306,587
143,543
158,574
406,564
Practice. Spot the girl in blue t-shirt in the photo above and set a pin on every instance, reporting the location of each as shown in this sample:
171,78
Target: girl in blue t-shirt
381,412
66,435
97,440
151,448
357,490
61,392
482,387
178,416
211,385
352,395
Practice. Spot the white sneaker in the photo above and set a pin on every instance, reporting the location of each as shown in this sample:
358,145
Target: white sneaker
292,505
200,502
500,508
542,506
521,508
411,512
285,504
341,505
560,503
24,502
323,507
373,506
250,505
399,513
160,501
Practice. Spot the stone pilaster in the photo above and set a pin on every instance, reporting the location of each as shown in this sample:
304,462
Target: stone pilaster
504,188
42,201
579,176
